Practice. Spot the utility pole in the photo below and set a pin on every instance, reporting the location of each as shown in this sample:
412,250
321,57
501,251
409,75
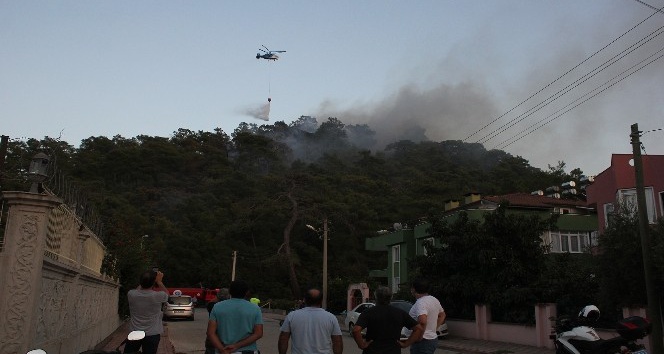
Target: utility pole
324,235
234,260
325,263
654,308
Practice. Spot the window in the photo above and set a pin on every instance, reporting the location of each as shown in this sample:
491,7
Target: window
627,198
608,213
555,242
569,241
396,268
593,239
429,241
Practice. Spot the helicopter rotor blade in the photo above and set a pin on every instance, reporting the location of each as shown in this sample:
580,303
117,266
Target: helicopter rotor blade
266,48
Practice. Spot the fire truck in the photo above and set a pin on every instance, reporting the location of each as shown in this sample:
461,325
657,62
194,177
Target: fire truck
202,295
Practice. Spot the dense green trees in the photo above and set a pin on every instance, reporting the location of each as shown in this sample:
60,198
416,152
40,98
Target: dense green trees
620,263
200,195
500,261
497,261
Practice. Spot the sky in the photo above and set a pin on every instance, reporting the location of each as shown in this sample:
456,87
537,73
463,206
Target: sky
547,80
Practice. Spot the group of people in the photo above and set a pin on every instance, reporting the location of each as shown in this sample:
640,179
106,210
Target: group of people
235,324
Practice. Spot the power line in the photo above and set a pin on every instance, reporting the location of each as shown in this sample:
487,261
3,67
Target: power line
652,130
580,103
573,85
650,6
567,72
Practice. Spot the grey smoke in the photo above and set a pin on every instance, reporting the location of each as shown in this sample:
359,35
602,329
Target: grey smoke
441,113
261,112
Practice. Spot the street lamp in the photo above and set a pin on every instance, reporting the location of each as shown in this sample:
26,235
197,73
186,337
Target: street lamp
324,258
143,239
38,171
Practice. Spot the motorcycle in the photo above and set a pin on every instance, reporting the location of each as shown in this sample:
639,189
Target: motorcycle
132,336
577,336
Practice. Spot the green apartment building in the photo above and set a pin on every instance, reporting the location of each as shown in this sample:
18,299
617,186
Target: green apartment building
575,232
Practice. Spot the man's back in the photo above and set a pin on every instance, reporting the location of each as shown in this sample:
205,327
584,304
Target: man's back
145,308
384,324
235,320
429,306
311,329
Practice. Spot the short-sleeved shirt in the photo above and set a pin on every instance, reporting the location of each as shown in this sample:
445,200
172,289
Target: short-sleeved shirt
430,306
236,319
145,310
384,324
311,330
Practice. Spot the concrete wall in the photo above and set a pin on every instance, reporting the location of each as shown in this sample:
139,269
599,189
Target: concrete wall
536,336
52,293
483,328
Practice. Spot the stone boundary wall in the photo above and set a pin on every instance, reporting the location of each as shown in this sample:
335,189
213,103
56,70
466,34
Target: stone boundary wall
52,293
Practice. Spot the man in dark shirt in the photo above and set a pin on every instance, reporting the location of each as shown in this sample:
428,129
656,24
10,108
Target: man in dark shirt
383,323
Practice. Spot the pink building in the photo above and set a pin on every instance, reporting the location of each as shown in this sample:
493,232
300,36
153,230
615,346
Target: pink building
617,185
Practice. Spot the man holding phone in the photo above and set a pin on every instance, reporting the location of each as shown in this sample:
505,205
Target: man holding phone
145,304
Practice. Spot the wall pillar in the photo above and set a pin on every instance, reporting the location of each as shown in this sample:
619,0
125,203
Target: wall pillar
21,268
543,314
83,235
482,319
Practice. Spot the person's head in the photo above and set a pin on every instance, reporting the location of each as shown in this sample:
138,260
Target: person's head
147,279
383,295
313,297
238,289
223,294
421,286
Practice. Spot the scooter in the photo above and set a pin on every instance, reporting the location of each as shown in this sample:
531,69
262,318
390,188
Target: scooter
576,336
132,336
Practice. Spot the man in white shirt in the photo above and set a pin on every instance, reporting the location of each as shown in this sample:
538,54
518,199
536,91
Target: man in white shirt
311,329
428,312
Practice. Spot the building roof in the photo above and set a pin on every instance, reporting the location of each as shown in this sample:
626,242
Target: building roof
621,171
534,201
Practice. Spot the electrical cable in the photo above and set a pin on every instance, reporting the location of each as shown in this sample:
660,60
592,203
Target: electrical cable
561,76
567,88
650,6
504,144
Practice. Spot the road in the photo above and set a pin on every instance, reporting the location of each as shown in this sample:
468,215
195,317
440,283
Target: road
188,337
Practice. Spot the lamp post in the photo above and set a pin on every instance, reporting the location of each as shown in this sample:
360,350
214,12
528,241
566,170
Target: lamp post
325,230
143,239
38,171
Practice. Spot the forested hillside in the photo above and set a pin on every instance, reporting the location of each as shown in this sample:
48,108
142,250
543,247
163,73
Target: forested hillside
200,195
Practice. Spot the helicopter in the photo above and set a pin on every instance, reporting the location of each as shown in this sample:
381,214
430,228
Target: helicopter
268,54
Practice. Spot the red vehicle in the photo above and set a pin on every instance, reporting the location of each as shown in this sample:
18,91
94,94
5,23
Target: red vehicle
202,295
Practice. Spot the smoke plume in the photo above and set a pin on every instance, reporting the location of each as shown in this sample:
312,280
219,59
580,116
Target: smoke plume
261,111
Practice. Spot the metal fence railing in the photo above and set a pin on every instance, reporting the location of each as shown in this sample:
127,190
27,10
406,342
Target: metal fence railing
61,185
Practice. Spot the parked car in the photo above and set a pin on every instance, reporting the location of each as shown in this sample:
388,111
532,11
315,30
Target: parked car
352,316
179,306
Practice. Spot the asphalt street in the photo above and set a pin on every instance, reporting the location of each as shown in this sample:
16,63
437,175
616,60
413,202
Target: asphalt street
188,337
